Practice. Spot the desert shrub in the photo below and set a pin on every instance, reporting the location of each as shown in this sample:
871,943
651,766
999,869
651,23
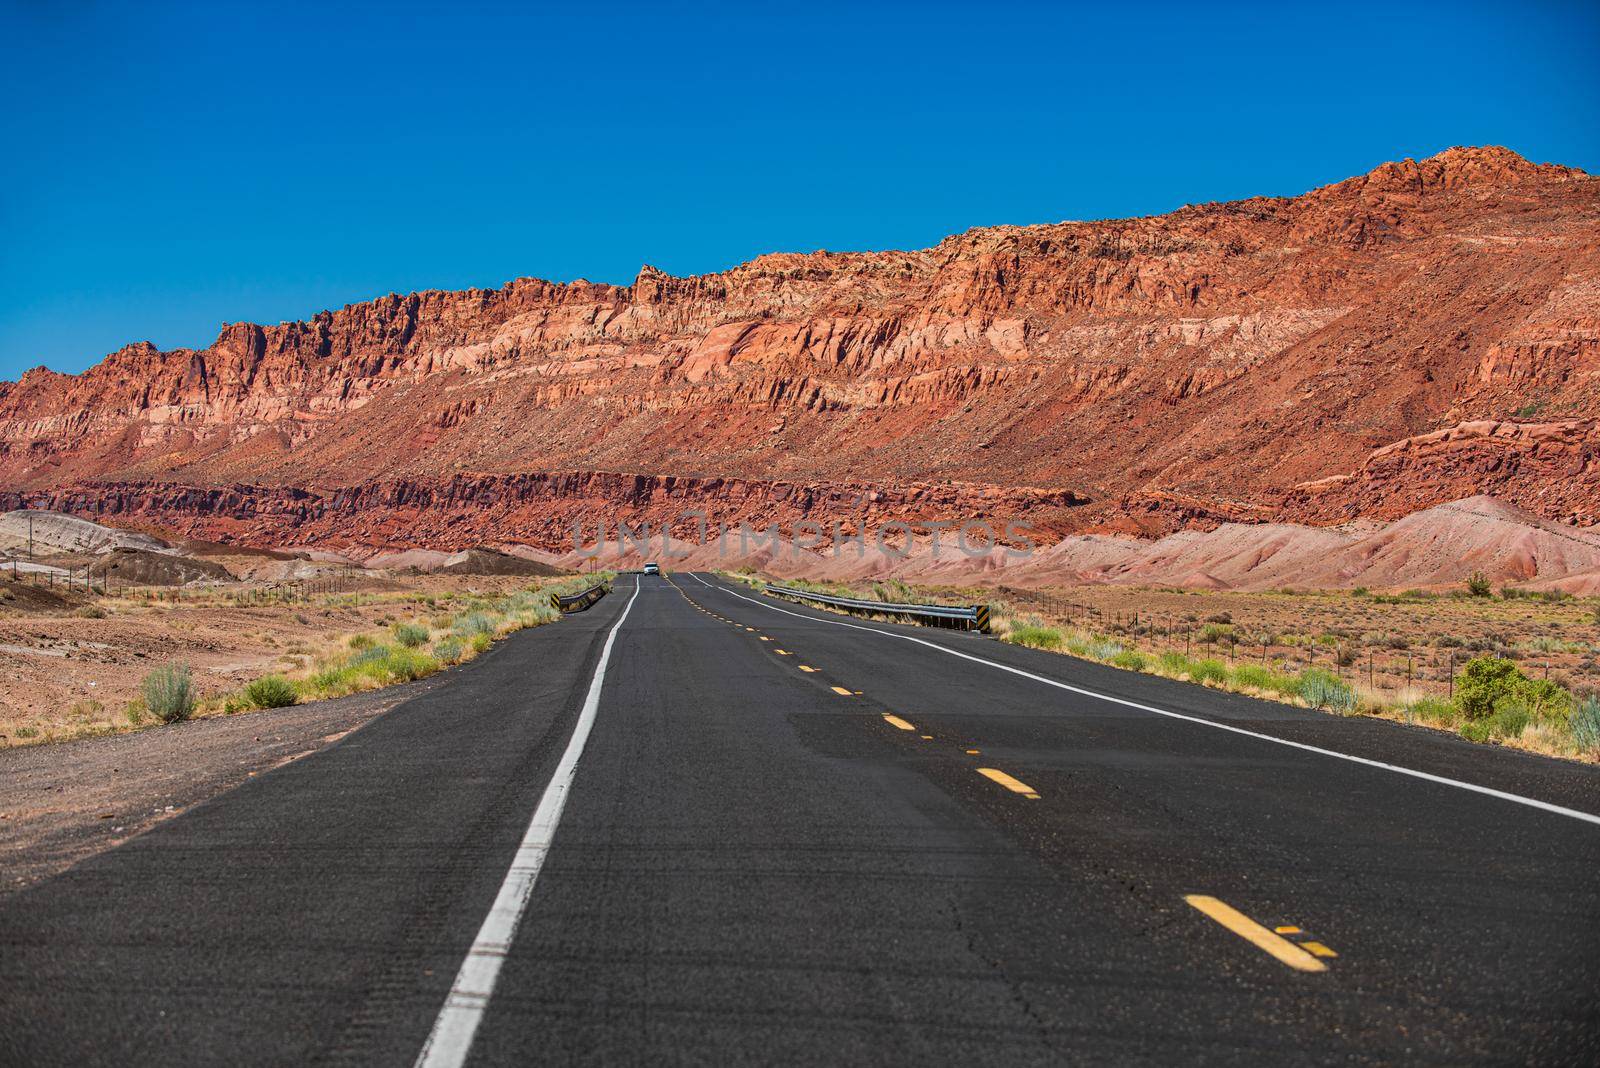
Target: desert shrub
448,650
271,691
407,664
1433,710
1546,701
1324,690
1104,650
441,622
1214,632
1478,585
370,654
1260,677
1252,675
135,710
1221,617
1035,637
480,642
169,693
1511,717
90,611
409,635
1171,663
1213,671
1359,591
1484,680
475,623
1130,659
336,681
1585,724
360,641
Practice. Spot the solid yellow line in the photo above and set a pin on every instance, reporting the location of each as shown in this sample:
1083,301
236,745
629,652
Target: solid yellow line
1016,786
1251,931
841,690
896,721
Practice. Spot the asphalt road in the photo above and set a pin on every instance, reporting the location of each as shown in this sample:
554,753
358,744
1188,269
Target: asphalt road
752,864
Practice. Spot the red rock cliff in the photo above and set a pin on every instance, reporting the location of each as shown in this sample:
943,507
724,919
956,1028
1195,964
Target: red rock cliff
1206,364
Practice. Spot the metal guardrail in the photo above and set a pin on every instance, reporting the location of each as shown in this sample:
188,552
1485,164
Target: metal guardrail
967,617
577,602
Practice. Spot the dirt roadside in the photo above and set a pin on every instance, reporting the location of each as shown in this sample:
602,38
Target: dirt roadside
61,803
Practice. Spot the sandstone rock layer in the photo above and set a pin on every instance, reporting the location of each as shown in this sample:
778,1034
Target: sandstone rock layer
1416,335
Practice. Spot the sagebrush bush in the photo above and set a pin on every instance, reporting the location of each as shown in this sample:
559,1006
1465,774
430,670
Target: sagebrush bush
1585,724
370,654
360,641
475,623
409,635
271,691
1214,671
1324,690
448,650
1104,650
169,693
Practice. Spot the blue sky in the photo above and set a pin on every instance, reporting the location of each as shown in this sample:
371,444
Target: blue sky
167,168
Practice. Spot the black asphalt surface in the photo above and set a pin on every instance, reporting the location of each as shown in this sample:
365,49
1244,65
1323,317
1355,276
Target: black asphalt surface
753,868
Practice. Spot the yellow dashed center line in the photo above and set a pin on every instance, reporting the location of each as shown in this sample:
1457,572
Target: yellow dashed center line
1317,949
974,752
807,667
896,721
842,691
781,652
1016,786
765,638
1267,941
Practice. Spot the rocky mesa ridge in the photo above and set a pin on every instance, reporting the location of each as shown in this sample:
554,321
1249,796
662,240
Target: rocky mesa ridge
1415,335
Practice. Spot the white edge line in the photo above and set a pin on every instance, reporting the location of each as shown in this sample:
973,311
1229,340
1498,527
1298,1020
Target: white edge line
1397,769
457,1023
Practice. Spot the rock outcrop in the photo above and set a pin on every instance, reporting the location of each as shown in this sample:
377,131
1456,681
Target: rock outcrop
1311,359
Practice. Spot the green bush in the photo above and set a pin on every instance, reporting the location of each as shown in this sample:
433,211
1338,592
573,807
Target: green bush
1324,690
1478,584
1203,671
1585,724
271,691
1035,637
1483,681
409,635
360,641
408,664
1172,663
1511,717
1130,659
1254,676
1104,650
169,693
1215,632
448,650
1434,709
